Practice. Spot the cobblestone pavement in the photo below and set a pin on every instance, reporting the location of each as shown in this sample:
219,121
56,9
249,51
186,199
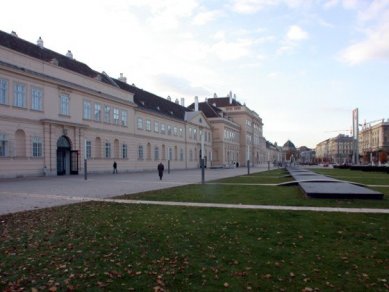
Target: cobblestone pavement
40,192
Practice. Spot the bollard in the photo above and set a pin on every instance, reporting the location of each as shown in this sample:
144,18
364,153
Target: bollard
248,166
202,170
85,169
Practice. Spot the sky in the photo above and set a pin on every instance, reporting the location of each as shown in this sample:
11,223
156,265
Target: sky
301,65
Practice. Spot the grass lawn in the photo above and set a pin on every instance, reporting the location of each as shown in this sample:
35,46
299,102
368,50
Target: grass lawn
114,247
236,191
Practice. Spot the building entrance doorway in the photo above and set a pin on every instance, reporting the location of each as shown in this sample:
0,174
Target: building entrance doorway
67,160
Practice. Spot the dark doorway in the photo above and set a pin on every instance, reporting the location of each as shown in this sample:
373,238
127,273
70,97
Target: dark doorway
67,160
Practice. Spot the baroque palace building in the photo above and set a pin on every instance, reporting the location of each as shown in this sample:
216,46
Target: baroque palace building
57,112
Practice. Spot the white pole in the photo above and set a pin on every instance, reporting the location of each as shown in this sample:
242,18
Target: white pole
202,146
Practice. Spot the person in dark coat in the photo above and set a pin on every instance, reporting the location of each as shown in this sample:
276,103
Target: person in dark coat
161,168
115,167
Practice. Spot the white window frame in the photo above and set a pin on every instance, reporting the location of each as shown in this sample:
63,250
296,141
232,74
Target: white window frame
64,104
107,149
19,95
3,91
156,153
156,127
124,151
148,125
88,149
140,152
97,114
87,110
139,123
163,129
124,118
116,116
107,114
4,145
36,98
37,147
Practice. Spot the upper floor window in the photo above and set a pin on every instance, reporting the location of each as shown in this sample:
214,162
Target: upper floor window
19,95
195,134
169,129
36,98
148,125
97,112
190,133
163,129
37,147
64,104
124,118
140,123
87,110
181,132
3,91
175,131
156,127
107,114
116,116
4,145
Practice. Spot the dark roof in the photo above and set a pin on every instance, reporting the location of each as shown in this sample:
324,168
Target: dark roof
150,101
223,102
289,144
209,110
17,44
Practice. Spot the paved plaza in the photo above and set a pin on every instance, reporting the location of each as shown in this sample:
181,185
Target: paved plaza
41,192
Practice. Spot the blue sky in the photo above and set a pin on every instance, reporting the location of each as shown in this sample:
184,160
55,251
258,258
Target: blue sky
302,65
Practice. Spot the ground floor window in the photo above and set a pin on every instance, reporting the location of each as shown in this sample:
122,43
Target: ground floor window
37,147
3,145
107,150
124,151
140,152
88,149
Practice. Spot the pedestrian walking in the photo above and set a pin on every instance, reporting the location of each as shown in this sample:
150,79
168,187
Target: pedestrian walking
160,168
115,167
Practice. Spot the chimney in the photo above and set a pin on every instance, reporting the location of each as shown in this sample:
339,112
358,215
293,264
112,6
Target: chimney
234,96
196,103
39,43
13,33
182,101
215,95
122,78
69,54
230,96
169,98
177,101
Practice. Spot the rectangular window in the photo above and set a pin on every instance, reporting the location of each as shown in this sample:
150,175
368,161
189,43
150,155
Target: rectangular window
148,125
175,131
124,151
156,153
107,114
88,149
3,91
169,129
190,133
181,132
97,112
64,104
107,150
19,95
140,123
3,145
195,134
116,116
170,153
140,152
87,110
37,147
163,129
36,98
124,118
182,154
156,127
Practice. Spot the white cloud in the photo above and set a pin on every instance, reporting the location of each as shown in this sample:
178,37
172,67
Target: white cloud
296,33
252,6
375,46
205,17
229,51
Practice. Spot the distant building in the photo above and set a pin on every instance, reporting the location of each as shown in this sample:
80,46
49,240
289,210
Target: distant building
306,155
289,152
337,150
374,142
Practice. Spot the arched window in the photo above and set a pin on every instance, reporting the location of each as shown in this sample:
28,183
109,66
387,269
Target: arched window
20,143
